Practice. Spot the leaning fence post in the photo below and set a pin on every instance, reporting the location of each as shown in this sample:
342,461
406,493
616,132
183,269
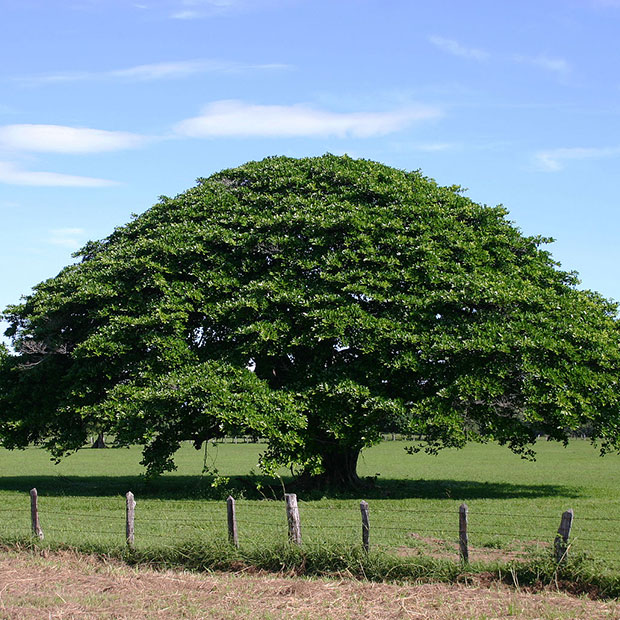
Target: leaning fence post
34,514
129,524
292,513
561,540
464,551
232,522
365,526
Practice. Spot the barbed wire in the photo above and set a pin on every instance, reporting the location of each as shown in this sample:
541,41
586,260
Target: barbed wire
312,526
473,513
375,510
475,529
53,530
576,540
405,532
278,524
171,518
210,514
198,520
211,521
580,538
183,526
605,554
259,505
90,515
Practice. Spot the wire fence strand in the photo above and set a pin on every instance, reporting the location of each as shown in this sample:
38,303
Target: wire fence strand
418,529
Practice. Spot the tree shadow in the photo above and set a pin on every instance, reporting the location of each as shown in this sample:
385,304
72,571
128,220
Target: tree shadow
180,487
165,487
465,490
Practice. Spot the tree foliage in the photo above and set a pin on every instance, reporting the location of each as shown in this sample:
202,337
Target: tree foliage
315,302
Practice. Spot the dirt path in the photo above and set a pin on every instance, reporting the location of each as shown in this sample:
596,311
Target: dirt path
66,585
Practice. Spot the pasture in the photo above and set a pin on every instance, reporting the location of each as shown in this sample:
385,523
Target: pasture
514,505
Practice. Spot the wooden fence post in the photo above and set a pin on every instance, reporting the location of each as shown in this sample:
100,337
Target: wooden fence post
561,540
464,551
129,522
233,539
292,513
34,514
365,526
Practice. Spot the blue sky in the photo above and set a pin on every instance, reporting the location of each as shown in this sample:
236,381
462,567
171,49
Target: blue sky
106,104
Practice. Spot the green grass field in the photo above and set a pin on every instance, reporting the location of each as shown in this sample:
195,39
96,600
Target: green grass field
513,504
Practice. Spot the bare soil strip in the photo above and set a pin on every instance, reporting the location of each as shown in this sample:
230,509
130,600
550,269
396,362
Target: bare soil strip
68,585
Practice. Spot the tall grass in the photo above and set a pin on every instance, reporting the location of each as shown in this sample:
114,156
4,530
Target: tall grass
578,574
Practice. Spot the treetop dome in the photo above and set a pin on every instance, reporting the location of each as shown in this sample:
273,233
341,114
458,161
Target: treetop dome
316,302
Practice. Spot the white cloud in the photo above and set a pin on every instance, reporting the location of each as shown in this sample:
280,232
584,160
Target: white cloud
154,71
187,14
237,118
185,68
66,76
213,3
62,139
157,71
553,160
197,9
555,65
454,47
71,238
13,175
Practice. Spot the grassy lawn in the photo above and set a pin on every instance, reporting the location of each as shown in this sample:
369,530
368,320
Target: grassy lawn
413,504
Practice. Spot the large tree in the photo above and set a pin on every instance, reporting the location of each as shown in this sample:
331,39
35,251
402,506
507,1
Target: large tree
315,302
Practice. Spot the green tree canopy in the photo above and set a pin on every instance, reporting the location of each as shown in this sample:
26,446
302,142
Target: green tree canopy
315,302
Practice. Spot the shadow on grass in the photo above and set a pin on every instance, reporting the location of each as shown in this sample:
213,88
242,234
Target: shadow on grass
260,487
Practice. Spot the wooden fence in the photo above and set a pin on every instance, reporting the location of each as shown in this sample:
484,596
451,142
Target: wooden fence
293,520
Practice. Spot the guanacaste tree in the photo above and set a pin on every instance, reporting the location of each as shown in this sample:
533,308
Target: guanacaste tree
314,302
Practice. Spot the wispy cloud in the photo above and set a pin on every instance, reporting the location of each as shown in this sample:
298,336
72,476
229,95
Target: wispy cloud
187,14
71,238
240,119
455,48
556,65
63,139
10,174
164,70
153,71
554,160
198,9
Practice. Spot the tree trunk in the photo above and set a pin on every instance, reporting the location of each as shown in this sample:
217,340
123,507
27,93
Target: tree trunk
340,467
100,441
